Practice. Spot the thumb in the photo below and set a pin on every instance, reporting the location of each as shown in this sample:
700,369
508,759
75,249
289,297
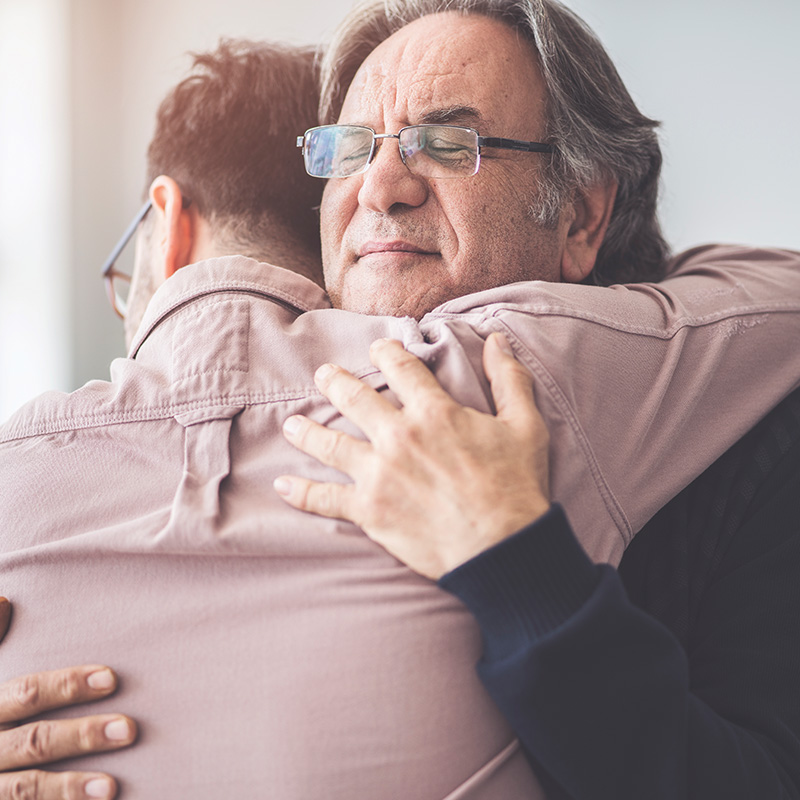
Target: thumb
512,385
512,390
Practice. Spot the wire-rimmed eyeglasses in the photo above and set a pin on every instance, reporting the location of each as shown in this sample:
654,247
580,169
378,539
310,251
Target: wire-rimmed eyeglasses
431,151
118,282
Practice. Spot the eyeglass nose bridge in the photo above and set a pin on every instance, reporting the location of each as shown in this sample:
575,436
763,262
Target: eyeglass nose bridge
376,143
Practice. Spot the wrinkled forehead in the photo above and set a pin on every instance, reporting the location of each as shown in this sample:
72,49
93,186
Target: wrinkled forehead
441,64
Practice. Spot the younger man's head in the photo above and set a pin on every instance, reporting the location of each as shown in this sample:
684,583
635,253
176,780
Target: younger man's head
223,172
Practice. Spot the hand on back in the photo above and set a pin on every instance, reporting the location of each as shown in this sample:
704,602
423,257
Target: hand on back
25,746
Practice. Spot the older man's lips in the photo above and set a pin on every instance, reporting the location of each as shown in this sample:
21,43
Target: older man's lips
395,246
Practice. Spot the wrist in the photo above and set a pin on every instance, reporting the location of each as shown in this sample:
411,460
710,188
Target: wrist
496,529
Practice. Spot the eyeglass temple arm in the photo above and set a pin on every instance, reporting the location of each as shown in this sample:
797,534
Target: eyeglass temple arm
515,144
129,231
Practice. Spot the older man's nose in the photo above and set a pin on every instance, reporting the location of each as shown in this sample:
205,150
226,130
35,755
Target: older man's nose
389,182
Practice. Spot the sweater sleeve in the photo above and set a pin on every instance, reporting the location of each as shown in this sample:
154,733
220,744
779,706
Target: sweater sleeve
607,702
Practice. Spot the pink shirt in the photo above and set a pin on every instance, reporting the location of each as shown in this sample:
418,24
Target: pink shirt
262,647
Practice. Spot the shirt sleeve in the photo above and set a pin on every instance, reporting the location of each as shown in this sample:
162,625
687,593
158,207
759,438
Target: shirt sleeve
627,375
605,699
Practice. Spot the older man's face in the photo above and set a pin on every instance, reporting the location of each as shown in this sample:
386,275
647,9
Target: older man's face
395,243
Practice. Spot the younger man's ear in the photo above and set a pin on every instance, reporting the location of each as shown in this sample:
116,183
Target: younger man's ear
174,232
590,214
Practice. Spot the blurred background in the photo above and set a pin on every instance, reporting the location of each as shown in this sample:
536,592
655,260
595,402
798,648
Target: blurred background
80,81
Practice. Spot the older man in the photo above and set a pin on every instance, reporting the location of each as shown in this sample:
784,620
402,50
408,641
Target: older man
192,391
697,696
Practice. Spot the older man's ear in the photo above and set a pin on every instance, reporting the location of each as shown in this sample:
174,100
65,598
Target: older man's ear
588,217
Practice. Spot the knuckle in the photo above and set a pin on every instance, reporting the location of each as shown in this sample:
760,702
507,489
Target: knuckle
72,784
374,508
437,419
68,685
331,446
351,393
334,500
89,737
413,436
446,412
26,692
323,499
35,742
405,366
301,490
398,439
24,786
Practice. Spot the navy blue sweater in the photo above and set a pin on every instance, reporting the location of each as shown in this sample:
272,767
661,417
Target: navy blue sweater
677,676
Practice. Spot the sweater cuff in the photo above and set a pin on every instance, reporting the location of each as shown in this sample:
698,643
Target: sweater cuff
527,585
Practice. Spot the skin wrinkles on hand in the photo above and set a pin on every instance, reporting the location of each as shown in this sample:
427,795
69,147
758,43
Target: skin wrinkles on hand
435,483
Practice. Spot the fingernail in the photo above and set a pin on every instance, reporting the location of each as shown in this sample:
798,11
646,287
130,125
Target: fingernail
324,372
503,344
101,680
117,730
292,425
282,486
99,787
379,343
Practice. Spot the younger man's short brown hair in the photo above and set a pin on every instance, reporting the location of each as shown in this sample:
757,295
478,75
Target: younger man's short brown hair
226,135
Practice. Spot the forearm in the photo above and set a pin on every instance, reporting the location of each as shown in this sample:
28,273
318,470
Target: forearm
598,690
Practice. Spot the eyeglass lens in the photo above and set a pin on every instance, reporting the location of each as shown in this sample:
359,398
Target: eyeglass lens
439,151
121,286
432,151
337,150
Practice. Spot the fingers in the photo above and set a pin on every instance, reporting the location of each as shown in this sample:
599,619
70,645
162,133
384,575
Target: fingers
437,483
326,499
5,616
512,391
412,382
45,741
38,785
512,385
34,694
353,399
332,448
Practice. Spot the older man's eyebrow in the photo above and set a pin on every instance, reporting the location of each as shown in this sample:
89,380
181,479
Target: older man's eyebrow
461,115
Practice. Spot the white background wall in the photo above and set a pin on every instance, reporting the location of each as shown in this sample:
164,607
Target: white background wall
80,81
